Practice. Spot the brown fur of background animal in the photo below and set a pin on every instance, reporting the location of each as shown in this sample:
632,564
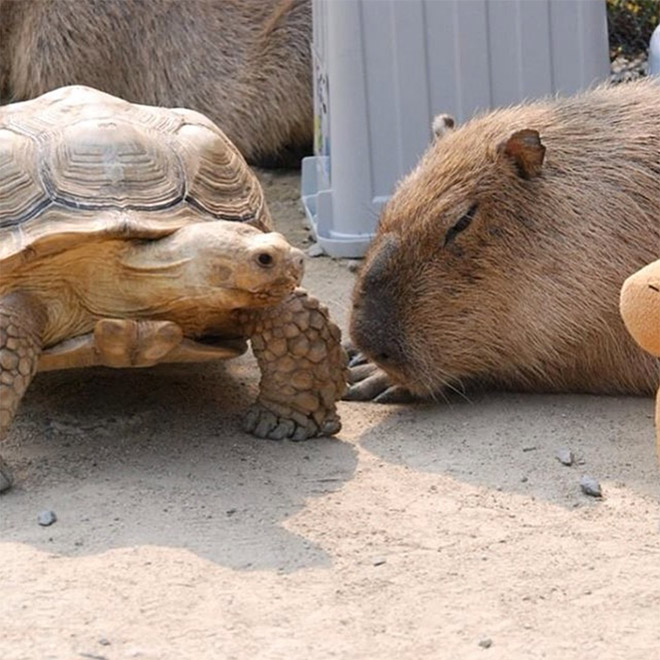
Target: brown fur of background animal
498,261
246,64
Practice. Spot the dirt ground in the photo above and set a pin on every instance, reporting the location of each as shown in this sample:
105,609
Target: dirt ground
443,531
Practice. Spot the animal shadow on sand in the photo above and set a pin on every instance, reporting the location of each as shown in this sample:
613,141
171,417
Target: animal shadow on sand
510,442
157,457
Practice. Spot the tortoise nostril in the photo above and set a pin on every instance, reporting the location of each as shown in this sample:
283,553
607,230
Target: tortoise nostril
265,259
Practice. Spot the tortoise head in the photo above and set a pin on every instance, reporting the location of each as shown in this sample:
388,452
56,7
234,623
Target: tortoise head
227,263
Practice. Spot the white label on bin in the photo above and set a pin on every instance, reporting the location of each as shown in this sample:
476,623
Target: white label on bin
321,118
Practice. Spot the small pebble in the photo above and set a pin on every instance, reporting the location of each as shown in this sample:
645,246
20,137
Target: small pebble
486,643
530,448
353,265
46,518
315,250
590,486
379,561
565,456
104,642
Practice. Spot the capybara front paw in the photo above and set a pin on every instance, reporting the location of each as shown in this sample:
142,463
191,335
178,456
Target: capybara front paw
367,382
276,422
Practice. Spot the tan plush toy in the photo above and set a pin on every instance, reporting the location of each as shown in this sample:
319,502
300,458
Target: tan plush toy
640,309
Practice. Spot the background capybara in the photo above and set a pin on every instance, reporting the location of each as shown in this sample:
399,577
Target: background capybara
499,259
246,64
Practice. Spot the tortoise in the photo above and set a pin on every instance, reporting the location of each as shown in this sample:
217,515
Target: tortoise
132,235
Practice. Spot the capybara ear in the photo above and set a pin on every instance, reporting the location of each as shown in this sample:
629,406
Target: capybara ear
442,124
524,148
640,307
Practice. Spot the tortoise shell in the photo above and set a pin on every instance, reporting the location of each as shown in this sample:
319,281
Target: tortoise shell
77,164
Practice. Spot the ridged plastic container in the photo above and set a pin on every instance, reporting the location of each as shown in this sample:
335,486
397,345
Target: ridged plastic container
654,53
385,68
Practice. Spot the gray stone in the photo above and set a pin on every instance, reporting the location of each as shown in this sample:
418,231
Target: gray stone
590,486
565,456
46,518
315,250
486,643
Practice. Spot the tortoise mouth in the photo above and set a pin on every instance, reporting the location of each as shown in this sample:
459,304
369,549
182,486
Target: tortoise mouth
275,292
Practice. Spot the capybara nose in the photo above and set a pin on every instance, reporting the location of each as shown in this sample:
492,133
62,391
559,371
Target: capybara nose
389,356
377,338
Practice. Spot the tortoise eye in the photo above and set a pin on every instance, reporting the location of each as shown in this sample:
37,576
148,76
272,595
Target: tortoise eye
462,223
265,259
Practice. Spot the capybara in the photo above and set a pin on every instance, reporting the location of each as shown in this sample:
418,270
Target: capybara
499,259
246,64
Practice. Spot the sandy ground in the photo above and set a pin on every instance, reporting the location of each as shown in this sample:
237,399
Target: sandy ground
427,531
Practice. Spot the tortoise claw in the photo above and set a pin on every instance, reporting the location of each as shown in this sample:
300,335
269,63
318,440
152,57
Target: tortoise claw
264,423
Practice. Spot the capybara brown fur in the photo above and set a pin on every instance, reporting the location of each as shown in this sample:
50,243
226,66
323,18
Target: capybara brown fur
246,64
499,259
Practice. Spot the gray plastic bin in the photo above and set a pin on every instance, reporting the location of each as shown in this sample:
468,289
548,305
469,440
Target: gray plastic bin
654,53
385,68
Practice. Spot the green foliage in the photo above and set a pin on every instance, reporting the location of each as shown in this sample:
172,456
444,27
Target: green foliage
630,24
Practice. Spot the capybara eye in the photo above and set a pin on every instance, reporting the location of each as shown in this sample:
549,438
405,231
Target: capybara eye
463,222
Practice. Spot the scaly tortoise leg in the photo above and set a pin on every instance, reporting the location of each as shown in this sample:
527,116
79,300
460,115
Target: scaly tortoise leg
303,369
121,343
21,323
127,343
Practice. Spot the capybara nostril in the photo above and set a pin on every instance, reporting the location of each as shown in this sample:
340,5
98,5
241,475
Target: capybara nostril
391,353
386,358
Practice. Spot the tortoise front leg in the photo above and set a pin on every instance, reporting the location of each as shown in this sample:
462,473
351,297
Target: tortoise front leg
21,323
303,369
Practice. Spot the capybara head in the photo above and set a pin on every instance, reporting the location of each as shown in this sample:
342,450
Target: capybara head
499,259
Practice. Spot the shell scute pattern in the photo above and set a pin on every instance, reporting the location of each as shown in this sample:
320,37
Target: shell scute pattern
21,191
101,163
60,107
78,150
216,183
